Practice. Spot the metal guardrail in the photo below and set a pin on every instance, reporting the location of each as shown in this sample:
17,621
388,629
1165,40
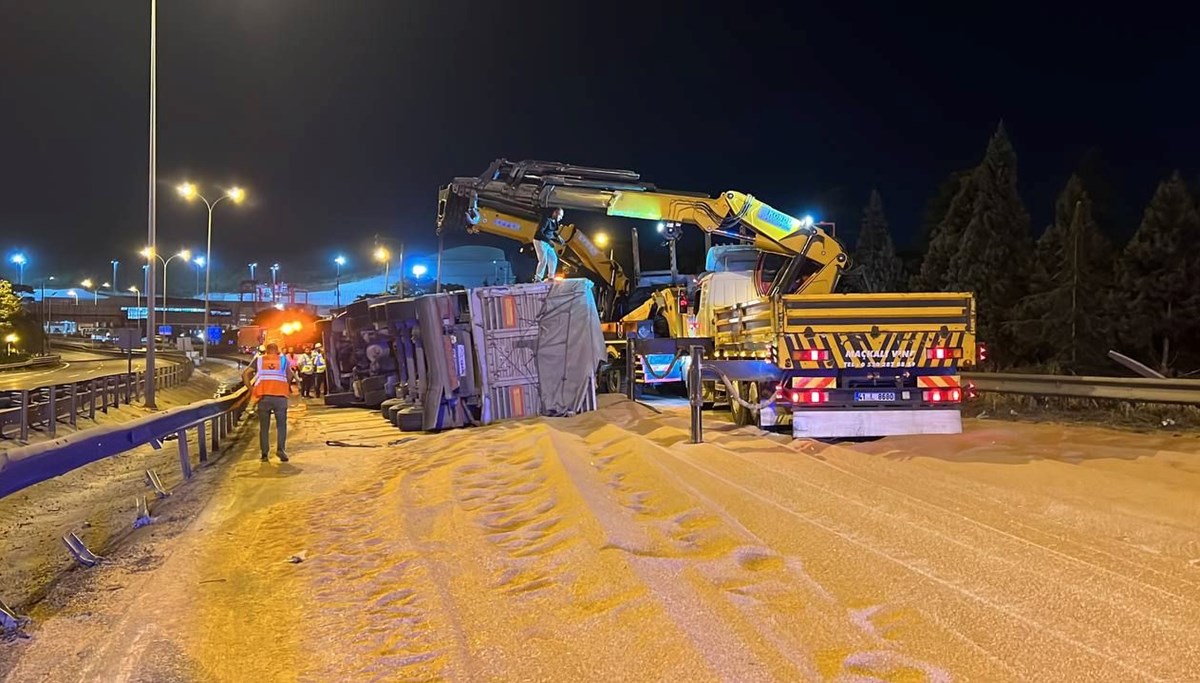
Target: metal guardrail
43,408
36,362
1140,389
213,419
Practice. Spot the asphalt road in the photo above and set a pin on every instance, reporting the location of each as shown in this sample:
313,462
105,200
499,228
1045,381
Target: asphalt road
77,366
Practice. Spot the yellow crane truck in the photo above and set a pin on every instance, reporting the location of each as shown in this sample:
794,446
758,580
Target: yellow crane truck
782,344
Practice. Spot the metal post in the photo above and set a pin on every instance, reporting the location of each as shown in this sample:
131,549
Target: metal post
92,399
104,395
202,442
152,232
437,287
696,395
630,375
217,432
74,403
185,462
24,414
207,267
400,280
637,261
52,411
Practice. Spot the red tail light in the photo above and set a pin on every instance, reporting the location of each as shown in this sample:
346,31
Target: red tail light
942,396
810,396
942,353
683,302
812,354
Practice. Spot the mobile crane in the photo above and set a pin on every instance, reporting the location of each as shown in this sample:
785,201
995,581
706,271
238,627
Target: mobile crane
834,365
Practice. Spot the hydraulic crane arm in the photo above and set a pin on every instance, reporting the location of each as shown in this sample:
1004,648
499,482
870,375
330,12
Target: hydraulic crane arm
522,226
533,186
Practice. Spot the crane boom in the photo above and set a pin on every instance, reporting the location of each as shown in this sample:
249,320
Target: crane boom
529,187
518,225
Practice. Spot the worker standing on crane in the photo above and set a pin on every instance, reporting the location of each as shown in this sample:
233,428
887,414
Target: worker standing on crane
543,245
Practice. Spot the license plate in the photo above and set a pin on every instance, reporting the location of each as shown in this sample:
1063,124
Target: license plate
874,396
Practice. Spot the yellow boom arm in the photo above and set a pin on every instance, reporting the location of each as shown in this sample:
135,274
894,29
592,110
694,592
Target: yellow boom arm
528,187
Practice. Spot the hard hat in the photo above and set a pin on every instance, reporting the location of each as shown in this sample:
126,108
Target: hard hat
262,348
318,345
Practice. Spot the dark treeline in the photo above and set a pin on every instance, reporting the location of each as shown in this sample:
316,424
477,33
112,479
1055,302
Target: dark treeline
1061,301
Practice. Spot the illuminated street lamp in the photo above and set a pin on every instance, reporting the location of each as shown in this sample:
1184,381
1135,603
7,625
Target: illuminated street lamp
11,339
200,262
340,261
252,267
601,240
383,256
188,191
138,293
184,254
274,277
87,284
419,270
115,263
19,261
73,293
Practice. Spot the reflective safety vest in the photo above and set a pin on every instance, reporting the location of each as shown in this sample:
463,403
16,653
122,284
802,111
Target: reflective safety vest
306,364
270,376
318,361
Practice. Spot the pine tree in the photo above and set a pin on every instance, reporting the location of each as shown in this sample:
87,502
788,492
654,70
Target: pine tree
939,238
1063,320
1159,272
878,269
939,204
993,251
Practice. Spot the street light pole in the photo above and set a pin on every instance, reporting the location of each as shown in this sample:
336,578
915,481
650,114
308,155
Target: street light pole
400,280
151,226
199,261
19,261
114,279
188,191
340,261
252,267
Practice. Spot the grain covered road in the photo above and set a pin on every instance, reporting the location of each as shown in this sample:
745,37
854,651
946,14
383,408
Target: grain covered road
605,547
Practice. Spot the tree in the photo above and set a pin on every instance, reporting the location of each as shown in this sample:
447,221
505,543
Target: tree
939,204
1063,320
10,303
1158,273
877,268
982,245
15,319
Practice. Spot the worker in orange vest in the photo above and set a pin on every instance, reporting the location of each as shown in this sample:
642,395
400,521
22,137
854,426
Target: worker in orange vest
269,378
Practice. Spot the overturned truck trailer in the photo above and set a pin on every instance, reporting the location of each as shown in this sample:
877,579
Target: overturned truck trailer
493,353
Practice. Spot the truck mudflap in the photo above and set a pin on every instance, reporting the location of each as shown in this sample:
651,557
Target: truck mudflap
834,423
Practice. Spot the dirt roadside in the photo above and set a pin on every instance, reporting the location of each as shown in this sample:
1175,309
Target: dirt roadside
96,501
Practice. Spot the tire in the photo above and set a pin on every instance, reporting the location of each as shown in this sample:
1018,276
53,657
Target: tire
752,397
612,381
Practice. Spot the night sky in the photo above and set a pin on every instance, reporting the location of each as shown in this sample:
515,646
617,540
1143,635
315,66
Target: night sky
342,118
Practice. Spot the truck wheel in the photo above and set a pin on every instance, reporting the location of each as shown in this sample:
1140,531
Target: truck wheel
752,397
612,381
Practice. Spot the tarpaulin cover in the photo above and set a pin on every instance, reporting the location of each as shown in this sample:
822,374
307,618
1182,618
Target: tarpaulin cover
569,346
